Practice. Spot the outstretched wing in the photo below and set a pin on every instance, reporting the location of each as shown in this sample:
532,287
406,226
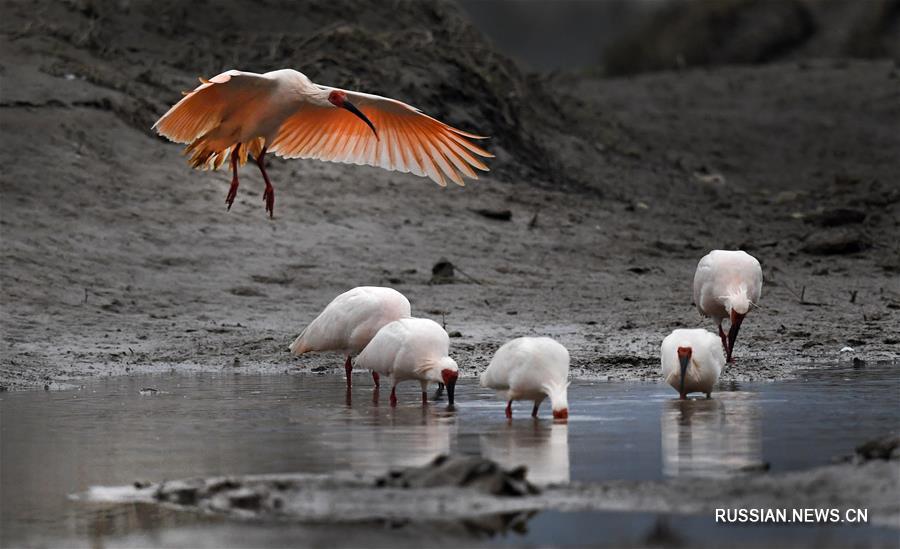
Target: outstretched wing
407,141
203,109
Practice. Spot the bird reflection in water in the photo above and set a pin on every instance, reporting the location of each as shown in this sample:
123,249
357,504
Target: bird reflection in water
409,437
542,447
712,438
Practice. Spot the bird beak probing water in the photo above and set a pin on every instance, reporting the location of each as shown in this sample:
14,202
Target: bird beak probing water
736,319
449,377
684,359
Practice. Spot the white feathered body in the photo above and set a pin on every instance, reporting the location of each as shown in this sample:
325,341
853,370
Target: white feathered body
727,280
530,368
707,359
409,348
351,320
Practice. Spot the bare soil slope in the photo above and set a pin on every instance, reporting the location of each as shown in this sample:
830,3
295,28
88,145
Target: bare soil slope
118,258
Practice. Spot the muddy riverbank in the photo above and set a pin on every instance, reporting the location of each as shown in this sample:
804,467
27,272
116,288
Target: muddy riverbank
119,259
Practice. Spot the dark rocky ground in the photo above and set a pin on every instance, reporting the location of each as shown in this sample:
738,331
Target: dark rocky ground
117,258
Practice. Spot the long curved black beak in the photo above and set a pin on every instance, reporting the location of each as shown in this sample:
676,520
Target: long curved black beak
684,360
352,108
736,320
451,388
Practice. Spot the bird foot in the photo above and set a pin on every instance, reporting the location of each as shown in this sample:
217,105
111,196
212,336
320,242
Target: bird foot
269,198
232,193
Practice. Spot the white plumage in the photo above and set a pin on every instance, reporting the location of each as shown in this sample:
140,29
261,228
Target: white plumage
727,284
694,357
412,349
350,322
530,368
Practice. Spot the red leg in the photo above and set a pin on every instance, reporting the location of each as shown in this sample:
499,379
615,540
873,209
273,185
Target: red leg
269,193
376,379
232,191
535,409
509,410
424,398
394,396
348,368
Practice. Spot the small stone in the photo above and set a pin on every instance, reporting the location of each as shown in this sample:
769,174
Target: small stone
836,217
835,242
470,472
497,215
245,499
442,272
885,448
179,492
760,467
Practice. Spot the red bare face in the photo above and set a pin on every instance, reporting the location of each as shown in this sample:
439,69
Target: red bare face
337,98
684,353
449,376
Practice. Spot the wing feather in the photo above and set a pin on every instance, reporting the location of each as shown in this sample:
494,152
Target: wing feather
406,145
408,140
457,160
428,163
202,109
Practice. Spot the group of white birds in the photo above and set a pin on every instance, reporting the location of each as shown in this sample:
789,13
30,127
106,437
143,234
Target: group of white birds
238,114
376,325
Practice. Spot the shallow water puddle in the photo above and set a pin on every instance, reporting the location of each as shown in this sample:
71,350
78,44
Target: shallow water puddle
58,443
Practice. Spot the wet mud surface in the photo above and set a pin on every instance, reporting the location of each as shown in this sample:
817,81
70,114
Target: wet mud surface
605,192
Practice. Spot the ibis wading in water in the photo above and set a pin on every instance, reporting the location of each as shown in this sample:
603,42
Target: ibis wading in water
412,349
692,361
238,114
727,284
530,368
350,322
